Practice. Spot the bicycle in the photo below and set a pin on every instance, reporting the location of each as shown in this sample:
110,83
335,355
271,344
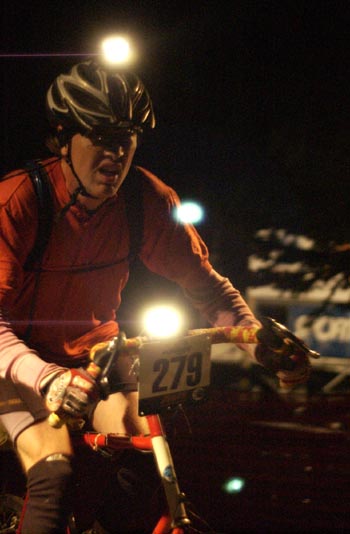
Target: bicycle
171,373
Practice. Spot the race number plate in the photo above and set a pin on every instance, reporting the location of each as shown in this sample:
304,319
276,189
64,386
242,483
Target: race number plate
173,372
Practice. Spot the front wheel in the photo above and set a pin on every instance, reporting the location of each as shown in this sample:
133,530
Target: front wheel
10,513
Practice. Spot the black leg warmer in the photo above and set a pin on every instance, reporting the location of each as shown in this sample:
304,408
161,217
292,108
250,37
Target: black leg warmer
49,491
134,501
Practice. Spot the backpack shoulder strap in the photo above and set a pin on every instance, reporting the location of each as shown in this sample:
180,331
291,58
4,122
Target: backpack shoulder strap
134,211
42,188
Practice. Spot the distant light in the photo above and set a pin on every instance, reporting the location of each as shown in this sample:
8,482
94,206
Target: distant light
162,321
189,213
116,50
233,485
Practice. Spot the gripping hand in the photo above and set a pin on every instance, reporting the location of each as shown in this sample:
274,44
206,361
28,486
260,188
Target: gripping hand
281,352
71,392
296,370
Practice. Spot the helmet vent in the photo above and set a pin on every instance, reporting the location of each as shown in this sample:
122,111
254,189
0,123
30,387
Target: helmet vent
90,96
86,101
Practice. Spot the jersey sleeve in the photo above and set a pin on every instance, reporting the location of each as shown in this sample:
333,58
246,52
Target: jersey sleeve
177,252
18,226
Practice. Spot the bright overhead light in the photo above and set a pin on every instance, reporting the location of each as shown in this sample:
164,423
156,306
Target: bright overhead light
116,50
189,212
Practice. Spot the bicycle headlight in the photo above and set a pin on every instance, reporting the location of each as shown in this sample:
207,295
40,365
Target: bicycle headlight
162,321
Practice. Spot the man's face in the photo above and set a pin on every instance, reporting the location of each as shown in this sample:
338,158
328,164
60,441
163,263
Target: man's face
102,160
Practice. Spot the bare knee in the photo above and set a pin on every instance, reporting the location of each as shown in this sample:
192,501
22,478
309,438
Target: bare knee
41,440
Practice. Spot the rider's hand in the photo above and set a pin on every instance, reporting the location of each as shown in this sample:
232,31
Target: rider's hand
291,369
71,392
300,375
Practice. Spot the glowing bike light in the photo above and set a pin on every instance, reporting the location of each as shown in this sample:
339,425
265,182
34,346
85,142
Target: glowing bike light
162,321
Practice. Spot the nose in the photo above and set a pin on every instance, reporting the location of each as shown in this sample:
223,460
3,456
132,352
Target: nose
115,152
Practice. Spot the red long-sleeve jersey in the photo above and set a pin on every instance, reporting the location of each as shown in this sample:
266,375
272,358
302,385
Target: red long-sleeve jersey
72,303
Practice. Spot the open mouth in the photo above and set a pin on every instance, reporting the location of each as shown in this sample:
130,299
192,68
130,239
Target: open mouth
109,174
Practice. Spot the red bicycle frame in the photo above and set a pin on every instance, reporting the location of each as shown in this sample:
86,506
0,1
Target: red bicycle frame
176,520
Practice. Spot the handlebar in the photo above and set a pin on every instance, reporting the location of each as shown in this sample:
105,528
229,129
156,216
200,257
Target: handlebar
272,334
219,334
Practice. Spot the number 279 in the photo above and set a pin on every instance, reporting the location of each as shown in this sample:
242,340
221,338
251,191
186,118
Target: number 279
190,365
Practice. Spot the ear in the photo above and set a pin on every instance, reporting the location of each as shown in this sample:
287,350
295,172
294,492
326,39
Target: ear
64,151
63,135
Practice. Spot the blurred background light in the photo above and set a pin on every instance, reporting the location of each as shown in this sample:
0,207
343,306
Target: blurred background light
189,212
233,485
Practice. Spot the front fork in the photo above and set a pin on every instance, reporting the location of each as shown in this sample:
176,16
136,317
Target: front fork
177,521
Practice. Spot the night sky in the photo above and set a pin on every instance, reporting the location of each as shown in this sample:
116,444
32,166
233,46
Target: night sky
251,102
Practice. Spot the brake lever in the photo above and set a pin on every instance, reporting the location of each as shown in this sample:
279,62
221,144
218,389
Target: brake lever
104,358
282,341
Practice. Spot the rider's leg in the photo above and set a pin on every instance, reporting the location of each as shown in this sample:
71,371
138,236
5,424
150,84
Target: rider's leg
133,502
119,414
45,454
134,499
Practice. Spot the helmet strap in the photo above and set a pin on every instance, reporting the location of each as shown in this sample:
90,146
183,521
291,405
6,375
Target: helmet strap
80,190
72,201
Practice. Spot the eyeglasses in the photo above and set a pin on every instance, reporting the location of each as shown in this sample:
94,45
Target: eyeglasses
111,138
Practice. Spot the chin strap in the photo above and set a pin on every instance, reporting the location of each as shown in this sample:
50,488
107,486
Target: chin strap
72,201
80,190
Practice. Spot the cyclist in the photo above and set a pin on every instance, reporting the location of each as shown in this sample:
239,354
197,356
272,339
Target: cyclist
55,310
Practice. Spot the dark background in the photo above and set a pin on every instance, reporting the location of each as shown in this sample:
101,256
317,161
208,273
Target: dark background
252,109
251,101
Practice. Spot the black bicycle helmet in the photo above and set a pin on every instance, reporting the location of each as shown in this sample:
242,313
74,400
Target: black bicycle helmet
91,95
